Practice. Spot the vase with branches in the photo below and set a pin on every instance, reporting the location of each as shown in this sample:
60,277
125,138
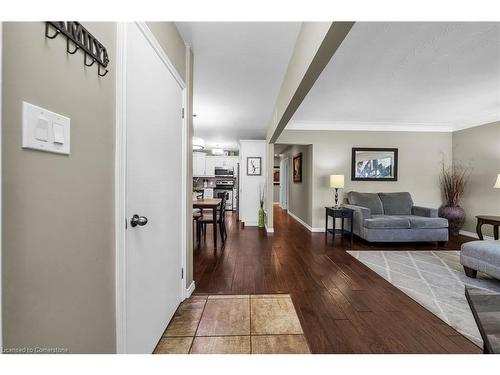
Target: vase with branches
261,207
453,181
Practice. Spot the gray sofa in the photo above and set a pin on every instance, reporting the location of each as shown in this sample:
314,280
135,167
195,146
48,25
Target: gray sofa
483,256
392,217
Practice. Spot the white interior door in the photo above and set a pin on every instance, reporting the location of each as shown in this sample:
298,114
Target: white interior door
153,190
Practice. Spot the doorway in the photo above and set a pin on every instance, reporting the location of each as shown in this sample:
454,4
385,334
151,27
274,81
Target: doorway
150,183
284,180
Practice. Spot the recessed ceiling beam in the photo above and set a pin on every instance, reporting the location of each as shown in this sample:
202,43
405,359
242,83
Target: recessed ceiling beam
315,46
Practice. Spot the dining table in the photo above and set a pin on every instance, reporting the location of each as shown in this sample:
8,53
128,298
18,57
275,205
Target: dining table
213,204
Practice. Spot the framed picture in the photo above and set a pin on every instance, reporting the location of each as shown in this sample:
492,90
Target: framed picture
254,166
374,164
276,175
297,168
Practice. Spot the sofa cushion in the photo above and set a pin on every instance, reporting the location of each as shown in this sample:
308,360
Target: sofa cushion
386,222
368,200
422,222
486,251
396,203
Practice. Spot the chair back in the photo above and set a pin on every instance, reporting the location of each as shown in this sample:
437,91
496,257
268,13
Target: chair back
223,196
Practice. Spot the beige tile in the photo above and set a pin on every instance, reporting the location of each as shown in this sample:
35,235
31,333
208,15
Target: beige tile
274,316
277,295
173,345
221,345
280,344
225,317
228,296
186,318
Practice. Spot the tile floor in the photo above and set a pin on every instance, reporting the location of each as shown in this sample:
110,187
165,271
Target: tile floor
234,324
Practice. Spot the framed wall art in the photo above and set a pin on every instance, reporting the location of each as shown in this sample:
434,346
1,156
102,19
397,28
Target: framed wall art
254,166
374,164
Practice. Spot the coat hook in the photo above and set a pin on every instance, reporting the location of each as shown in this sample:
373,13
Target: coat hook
67,48
99,71
85,61
47,32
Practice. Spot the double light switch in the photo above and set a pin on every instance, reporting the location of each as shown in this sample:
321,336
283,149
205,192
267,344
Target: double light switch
45,130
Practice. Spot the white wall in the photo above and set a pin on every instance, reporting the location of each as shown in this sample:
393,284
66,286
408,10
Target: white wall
249,185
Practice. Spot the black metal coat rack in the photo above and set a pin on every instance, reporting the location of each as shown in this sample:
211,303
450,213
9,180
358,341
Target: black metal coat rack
79,38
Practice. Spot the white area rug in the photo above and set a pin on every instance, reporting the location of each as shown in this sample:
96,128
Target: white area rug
435,279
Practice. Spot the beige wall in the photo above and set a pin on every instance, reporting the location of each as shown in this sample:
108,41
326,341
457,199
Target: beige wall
420,156
172,43
479,149
315,45
58,234
300,194
58,264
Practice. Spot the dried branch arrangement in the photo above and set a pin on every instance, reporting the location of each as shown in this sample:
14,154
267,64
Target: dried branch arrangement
453,181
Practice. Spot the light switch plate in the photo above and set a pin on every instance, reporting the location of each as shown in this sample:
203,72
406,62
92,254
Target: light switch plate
45,130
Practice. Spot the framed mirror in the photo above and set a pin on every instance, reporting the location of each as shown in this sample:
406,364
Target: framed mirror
374,164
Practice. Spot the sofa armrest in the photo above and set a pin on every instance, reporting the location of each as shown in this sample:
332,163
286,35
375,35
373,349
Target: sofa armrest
424,211
360,213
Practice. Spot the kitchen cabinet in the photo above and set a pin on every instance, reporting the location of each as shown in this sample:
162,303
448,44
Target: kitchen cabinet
210,164
204,166
198,164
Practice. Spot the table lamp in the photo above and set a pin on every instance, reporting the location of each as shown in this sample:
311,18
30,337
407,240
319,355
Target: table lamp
337,182
497,184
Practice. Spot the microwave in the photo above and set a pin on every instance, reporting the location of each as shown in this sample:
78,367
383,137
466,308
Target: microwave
223,172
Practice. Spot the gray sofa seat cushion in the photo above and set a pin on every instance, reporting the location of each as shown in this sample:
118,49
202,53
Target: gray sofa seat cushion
386,222
368,200
421,222
483,256
396,203
487,251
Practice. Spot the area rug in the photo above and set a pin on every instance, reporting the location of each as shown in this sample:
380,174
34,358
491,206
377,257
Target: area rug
434,279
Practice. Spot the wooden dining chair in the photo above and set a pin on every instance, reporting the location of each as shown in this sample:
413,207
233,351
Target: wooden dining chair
220,219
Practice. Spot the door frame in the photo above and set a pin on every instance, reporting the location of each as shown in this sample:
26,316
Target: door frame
285,181
1,114
121,169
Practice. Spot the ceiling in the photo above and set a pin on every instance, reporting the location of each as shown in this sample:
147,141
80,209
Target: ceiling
415,76
238,71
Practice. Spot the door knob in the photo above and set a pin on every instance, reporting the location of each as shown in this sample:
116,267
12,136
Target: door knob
138,220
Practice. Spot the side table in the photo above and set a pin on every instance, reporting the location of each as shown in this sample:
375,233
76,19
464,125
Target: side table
339,213
492,220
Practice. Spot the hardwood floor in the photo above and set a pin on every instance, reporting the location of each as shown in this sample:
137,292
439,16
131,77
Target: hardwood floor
343,306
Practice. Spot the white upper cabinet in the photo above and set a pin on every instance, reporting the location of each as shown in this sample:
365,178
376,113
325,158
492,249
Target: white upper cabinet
204,166
210,164
198,164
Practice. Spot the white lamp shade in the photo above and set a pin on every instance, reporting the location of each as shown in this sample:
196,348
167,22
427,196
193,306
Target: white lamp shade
497,184
337,181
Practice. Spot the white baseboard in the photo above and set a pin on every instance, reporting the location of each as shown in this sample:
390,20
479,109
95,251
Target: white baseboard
269,229
318,230
251,223
474,235
190,290
308,227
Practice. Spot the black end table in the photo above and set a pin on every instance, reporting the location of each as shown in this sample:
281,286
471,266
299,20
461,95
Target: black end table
339,213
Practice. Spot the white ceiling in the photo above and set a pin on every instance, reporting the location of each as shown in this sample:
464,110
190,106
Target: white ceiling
413,76
238,70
